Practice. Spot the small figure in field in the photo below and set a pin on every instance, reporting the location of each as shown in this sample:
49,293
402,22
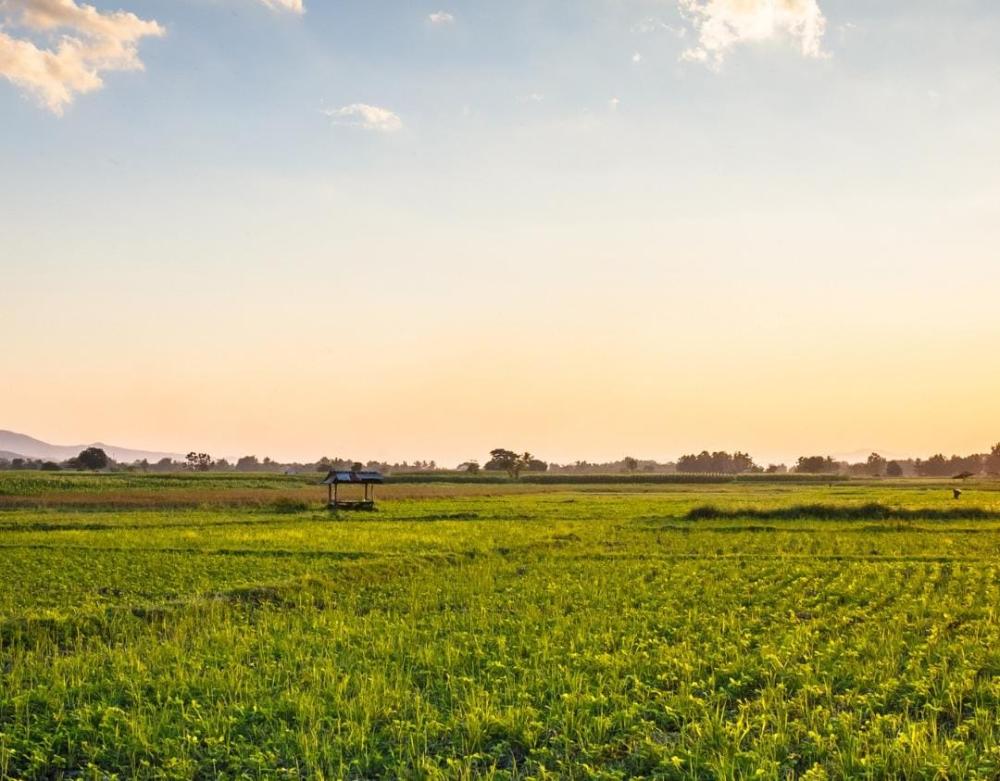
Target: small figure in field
957,492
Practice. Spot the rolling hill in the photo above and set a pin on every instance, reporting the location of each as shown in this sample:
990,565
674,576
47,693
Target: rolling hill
15,445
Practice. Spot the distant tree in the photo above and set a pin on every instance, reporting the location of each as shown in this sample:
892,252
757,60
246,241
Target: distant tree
199,462
357,466
992,461
776,469
93,458
222,464
935,466
247,464
876,465
519,464
631,464
695,463
504,460
939,466
469,467
165,463
719,462
741,462
894,469
859,470
816,465
531,464
50,466
17,463
973,464
513,464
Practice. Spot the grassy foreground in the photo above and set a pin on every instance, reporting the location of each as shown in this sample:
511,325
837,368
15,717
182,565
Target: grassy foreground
664,631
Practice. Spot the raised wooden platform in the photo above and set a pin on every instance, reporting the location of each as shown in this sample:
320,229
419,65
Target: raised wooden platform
360,505
367,480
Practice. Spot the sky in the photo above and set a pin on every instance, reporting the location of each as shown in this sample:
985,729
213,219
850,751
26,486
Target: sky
398,230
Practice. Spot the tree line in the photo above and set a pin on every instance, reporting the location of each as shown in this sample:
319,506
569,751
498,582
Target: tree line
874,466
96,459
515,463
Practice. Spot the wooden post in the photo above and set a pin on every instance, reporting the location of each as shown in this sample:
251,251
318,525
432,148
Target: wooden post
329,493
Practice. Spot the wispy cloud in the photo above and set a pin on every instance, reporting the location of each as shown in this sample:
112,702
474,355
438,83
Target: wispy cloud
652,24
56,49
295,6
440,18
722,25
365,116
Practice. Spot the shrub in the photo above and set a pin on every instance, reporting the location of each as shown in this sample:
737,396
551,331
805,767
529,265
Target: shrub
286,504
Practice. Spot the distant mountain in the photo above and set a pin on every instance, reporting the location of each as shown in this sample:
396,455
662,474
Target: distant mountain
14,445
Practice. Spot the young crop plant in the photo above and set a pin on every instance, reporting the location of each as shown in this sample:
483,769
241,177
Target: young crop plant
816,632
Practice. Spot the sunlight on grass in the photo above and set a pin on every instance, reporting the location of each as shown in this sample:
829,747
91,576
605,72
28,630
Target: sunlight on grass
784,633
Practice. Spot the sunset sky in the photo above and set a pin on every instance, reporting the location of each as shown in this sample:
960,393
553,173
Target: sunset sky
589,228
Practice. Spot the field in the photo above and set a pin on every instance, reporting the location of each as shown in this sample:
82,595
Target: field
232,628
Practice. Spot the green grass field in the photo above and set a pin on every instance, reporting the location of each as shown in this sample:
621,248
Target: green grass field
219,628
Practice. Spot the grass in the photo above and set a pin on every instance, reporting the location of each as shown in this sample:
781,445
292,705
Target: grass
123,490
597,631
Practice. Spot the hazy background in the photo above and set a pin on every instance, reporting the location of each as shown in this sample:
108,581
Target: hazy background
545,243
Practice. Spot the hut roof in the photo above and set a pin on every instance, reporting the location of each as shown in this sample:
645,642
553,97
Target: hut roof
337,476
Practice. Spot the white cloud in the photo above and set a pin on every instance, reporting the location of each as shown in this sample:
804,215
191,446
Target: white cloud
613,104
637,57
364,116
60,49
722,24
295,6
441,17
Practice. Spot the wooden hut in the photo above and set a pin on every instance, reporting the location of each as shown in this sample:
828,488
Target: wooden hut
367,480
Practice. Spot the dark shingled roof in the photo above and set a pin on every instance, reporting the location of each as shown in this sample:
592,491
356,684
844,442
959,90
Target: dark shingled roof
337,476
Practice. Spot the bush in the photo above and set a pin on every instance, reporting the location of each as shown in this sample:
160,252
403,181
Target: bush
286,504
841,512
